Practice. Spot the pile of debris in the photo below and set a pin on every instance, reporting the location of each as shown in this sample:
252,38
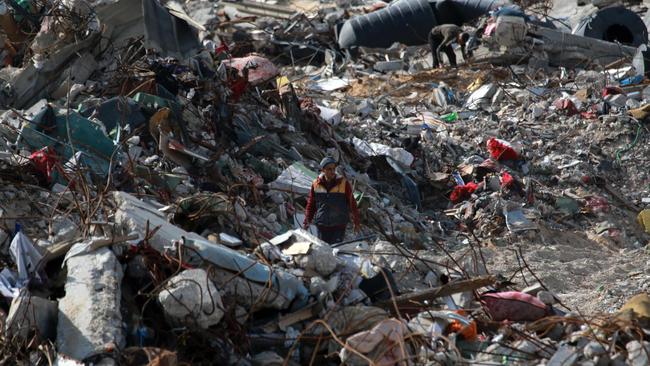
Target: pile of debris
156,159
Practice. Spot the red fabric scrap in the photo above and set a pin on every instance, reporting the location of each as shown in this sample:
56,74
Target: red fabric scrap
514,306
45,161
461,193
501,150
507,181
223,47
567,106
238,87
596,204
589,115
611,90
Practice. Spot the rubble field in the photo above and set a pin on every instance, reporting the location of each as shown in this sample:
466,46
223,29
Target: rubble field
156,159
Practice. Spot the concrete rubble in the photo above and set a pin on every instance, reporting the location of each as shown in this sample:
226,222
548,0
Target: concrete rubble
156,158
191,295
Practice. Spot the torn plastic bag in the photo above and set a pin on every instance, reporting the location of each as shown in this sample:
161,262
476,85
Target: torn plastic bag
481,97
375,149
8,284
26,257
514,306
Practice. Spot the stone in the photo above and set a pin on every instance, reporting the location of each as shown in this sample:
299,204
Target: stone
90,321
249,294
594,349
365,108
546,297
616,100
536,111
267,358
386,66
192,299
637,355
28,313
319,259
564,356
63,229
229,240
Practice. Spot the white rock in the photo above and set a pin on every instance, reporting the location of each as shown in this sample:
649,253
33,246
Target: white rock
564,356
320,259
191,298
637,355
594,349
90,321
546,297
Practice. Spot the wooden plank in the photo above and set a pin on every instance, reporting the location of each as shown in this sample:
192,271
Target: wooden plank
416,300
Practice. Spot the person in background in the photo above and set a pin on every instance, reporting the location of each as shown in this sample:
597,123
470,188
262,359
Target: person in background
331,204
440,39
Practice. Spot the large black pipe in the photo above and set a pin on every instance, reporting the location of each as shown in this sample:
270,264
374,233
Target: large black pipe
614,24
409,21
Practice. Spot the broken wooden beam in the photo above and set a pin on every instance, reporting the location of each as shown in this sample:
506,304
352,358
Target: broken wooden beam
416,300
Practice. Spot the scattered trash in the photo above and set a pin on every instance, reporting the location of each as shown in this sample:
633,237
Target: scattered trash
156,161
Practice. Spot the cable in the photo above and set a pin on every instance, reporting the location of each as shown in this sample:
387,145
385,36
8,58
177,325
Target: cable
630,146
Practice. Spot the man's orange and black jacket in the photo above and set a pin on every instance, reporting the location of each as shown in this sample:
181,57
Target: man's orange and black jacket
330,203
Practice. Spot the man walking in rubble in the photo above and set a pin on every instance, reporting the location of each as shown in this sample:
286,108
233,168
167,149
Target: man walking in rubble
330,204
440,39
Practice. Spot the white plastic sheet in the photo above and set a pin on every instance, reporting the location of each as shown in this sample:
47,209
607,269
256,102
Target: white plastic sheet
375,149
25,256
8,286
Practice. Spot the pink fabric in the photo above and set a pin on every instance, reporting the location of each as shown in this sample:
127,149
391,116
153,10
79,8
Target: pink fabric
514,306
264,71
490,29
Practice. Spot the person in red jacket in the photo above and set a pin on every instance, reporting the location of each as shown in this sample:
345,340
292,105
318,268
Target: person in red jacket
330,204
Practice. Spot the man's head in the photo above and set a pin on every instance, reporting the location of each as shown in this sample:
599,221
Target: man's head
328,167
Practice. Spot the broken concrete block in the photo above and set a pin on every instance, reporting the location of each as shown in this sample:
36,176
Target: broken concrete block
29,313
386,66
134,214
313,256
90,322
249,294
63,229
565,355
191,298
637,353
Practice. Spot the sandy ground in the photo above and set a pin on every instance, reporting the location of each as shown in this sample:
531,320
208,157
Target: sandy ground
585,275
